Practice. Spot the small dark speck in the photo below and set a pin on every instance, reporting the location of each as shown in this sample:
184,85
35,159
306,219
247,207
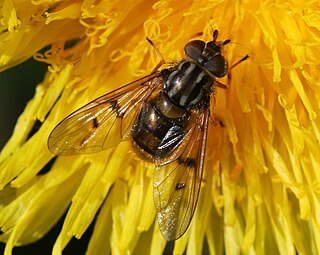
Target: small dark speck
95,123
221,124
190,162
114,104
180,185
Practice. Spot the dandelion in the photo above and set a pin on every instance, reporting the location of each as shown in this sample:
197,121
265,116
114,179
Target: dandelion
260,192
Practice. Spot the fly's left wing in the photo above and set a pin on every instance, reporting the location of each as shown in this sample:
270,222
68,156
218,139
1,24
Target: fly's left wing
177,178
105,121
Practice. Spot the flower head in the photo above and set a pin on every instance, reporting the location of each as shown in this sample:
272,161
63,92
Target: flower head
260,190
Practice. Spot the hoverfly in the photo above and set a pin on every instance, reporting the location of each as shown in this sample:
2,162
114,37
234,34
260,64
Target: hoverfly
166,114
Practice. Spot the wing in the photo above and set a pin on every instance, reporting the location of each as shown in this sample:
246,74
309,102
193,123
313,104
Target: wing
105,121
177,178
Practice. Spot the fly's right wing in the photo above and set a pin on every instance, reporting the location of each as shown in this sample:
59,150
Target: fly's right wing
177,178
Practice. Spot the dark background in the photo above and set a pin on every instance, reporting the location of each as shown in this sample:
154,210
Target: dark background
17,87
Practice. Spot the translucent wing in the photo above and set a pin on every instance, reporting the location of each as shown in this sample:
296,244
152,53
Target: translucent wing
177,178
105,121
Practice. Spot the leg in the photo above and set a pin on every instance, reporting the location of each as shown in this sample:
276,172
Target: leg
234,65
215,121
223,86
238,62
162,61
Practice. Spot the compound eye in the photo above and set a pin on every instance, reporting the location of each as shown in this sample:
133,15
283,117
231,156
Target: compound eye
217,65
194,49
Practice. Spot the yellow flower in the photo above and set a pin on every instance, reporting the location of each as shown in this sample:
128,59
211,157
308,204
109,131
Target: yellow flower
260,190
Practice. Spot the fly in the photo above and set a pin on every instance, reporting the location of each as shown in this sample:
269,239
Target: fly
166,115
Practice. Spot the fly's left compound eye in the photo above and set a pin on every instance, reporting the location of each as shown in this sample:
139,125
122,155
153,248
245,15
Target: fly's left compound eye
217,65
194,49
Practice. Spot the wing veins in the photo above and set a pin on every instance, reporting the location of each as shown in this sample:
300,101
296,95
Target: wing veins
76,134
175,210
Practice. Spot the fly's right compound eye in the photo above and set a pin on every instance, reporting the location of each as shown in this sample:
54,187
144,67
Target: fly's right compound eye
217,65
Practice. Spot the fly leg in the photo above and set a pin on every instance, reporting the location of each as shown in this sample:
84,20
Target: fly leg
216,120
162,61
224,86
234,65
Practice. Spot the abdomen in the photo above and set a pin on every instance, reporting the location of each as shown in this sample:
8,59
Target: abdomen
154,121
